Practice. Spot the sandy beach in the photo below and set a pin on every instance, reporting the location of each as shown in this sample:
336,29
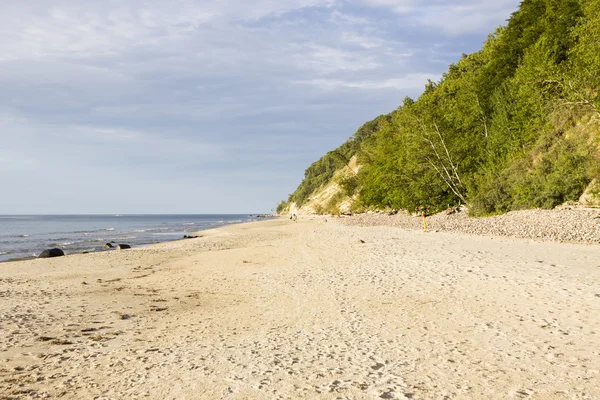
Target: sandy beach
313,310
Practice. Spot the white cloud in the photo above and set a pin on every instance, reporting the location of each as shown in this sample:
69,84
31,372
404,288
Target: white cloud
341,18
325,59
104,135
367,42
411,81
162,90
63,27
398,6
456,17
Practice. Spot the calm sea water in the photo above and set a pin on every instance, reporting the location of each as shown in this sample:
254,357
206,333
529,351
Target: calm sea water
23,236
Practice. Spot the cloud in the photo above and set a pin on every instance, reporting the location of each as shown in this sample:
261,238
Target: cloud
341,18
398,6
410,82
364,41
69,28
223,93
456,17
468,17
325,59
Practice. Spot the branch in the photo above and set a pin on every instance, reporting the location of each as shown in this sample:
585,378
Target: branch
449,184
450,179
448,154
439,158
580,103
483,117
345,160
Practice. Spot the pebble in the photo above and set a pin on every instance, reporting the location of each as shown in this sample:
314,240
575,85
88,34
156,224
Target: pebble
558,225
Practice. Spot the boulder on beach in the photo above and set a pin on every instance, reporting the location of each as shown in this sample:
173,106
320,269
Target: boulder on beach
123,246
108,246
49,253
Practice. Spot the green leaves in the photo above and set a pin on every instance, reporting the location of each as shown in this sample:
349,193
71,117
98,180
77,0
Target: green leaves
321,172
510,126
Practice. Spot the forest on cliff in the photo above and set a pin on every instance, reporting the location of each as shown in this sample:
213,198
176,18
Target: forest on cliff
514,125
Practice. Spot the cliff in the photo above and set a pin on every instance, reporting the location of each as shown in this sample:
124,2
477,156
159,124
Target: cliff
515,125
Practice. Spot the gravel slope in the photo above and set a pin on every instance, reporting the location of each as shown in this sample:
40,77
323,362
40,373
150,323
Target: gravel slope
558,225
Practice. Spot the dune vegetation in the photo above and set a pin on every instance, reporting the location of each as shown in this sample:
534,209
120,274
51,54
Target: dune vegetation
515,125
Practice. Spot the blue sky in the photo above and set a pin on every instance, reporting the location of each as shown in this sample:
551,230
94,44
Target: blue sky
205,107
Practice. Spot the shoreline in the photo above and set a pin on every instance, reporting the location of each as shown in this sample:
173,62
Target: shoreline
84,244
306,310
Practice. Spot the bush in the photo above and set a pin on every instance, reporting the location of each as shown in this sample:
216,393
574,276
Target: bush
333,205
281,206
349,184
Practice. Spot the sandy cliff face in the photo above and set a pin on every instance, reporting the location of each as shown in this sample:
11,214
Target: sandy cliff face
330,197
590,197
318,201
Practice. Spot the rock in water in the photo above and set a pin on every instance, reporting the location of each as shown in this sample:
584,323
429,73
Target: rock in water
51,253
108,246
123,246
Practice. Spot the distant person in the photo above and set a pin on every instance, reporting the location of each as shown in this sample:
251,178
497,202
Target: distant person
295,218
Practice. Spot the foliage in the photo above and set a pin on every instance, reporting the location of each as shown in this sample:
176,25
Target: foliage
321,172
333,205
349,184
502,129
281,206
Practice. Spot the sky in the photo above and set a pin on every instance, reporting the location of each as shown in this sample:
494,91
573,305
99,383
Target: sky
183,106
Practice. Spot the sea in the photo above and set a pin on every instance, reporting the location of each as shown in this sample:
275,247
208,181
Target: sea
26,236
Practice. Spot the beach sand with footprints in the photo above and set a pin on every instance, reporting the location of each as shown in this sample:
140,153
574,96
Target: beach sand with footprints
313,310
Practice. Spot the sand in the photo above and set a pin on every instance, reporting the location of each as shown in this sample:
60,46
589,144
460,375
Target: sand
283,310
